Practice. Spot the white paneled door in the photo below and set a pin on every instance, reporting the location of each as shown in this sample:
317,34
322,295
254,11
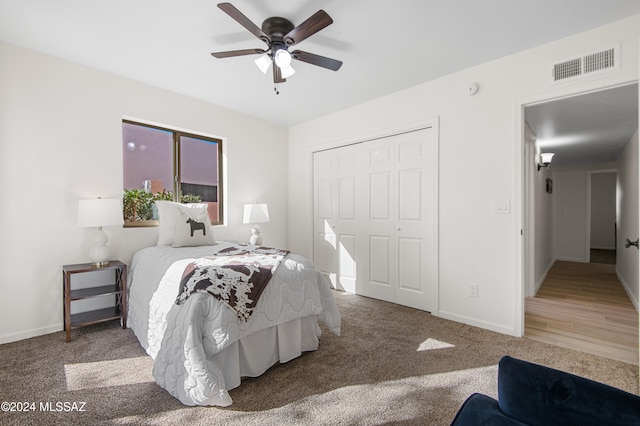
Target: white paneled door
375,211
335,215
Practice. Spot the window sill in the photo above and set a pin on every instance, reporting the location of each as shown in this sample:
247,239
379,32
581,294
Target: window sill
141,223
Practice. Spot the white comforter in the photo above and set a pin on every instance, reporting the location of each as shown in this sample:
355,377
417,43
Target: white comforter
183,338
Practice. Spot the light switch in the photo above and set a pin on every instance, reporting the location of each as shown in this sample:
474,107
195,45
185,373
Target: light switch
503,207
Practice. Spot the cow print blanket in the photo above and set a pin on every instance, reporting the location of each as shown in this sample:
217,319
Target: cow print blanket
236,276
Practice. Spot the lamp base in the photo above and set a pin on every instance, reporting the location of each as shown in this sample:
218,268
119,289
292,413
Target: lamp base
99,253
256,238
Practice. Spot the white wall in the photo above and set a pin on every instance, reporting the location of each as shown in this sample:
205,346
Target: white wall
541,224
544,226
480,164
627,258
60,141
570,194
603,211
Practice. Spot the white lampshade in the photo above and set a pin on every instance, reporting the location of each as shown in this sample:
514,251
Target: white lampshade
546,157
99,212
282,58
255,213
287,71
263,62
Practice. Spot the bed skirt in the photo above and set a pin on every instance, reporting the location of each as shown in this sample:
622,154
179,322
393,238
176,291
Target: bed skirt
256,353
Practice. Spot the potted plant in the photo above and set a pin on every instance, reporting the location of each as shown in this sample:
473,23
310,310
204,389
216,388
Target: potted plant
138,206
190,198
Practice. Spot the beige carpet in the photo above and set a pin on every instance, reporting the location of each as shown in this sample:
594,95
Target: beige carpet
392,365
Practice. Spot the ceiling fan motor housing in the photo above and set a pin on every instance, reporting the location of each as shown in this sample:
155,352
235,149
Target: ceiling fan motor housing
277,28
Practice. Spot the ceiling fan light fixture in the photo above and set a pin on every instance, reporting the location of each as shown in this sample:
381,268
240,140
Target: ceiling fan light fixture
282,58
287,71
263,62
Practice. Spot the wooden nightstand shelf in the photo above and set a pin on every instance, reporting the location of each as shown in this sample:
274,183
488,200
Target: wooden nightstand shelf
118,289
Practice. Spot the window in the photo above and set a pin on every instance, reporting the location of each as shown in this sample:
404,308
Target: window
166,164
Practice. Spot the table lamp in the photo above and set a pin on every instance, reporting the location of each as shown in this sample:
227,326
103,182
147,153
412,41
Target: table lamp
99,212
255,213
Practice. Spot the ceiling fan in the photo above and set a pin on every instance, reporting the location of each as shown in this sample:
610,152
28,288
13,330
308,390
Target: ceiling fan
279,34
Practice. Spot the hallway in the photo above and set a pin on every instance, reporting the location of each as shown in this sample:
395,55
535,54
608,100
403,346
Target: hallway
583,306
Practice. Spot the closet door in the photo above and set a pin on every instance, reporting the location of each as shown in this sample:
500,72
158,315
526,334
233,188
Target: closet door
324,214
415,225
346,219
398,228
335,188
377,218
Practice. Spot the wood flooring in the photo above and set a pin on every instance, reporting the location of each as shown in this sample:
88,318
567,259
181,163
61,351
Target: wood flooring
583,306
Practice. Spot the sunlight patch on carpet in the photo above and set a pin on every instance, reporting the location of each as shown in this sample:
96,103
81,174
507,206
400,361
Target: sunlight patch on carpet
431,344
102,374
436,397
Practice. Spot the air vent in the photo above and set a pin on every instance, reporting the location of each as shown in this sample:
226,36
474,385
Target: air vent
567,69
599,61
583,66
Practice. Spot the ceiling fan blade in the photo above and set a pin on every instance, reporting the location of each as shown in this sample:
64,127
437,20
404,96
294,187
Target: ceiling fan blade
231,10
277,75
232,53
321,61
315,23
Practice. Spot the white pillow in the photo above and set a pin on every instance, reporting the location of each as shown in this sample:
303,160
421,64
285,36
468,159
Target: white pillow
193,228
167,214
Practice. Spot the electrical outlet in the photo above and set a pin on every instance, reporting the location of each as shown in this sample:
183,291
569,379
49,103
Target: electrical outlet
473,290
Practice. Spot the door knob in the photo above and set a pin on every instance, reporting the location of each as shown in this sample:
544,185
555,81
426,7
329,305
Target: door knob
628,243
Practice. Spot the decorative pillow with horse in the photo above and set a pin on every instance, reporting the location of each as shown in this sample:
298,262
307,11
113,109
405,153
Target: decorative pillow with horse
167,212
193,228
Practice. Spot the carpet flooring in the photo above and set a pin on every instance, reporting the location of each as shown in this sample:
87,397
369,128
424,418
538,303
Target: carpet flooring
391,365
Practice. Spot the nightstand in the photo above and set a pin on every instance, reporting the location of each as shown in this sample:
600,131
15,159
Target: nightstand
118,289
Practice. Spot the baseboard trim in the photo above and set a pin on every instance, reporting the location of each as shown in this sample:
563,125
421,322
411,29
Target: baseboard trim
544,276
627,289
603,248
572,259
34,332
498,328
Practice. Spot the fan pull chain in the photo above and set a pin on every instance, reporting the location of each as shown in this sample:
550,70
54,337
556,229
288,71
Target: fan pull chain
275,89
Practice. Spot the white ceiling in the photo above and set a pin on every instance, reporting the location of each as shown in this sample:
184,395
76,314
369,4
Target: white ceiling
385,45
590,128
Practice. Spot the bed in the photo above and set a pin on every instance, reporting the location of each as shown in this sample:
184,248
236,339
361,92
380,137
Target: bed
202,347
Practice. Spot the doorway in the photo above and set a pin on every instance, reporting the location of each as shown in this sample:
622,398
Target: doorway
602,216
588,134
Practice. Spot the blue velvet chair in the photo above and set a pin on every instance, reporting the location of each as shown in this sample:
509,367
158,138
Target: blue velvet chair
531,394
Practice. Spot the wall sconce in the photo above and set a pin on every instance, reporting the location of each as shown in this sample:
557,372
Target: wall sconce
545,159
255,213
